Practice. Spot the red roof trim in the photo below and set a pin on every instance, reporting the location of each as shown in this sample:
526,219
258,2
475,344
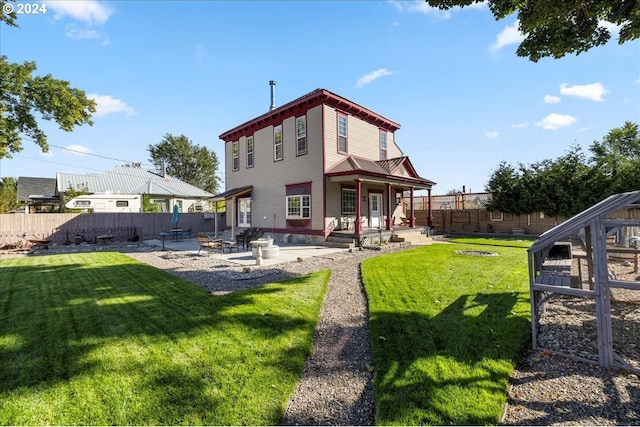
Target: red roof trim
300,105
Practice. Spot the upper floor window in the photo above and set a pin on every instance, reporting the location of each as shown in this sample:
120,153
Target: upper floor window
277,143
383,145
250,152
235,155
301,135
342,133
348,201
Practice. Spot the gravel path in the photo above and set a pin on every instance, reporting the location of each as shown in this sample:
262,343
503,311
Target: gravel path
336,385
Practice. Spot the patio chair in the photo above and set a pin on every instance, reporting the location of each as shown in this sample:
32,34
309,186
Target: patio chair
242,239
208,243
258,235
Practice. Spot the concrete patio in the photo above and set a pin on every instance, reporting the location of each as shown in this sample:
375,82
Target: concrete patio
288,251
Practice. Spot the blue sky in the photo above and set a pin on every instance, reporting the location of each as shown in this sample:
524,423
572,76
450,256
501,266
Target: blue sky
464,100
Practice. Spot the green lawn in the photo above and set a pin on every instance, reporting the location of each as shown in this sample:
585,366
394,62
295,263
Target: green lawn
446,331
101,339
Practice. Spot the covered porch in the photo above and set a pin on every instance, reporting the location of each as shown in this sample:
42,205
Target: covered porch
366,197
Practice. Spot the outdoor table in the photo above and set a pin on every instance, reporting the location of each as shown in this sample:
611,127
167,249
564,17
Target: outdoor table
105,238
177,233
230,244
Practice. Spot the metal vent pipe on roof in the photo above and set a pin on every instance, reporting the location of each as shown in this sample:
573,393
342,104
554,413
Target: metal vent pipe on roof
272,83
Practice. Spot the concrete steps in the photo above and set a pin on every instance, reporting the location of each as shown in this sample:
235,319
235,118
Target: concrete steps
340,241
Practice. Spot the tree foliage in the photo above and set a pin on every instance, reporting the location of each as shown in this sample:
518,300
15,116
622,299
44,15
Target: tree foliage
8,194
556,28
70,193
22,95
572,182
186,161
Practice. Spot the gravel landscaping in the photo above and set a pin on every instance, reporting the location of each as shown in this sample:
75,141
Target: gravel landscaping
336,386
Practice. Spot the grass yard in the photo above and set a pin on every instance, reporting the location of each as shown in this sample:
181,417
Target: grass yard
446,332
101,339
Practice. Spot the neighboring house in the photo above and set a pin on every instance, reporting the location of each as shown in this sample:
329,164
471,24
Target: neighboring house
317,164
38,195
164,190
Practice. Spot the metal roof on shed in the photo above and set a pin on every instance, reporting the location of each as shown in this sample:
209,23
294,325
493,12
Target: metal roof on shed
130,180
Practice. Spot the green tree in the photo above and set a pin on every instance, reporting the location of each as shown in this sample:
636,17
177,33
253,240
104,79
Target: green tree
22,95
571,183
186,161
70,193
556,28
617,158
148,206
8,194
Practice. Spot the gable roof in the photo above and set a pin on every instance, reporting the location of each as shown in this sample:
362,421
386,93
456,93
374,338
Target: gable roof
33,186
385,169
571,226
130,180
303,103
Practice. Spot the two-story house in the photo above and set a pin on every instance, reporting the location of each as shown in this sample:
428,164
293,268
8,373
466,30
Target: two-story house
317,164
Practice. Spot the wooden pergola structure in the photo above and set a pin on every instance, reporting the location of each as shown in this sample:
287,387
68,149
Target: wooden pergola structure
550,275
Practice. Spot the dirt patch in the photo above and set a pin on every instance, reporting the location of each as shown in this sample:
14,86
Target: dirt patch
476,253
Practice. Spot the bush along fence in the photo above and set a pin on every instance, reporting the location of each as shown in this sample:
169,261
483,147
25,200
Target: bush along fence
73,228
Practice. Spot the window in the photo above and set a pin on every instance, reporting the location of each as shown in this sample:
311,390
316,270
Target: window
277,143
348,201
298,201
301,135
383,145
299,207
235,155
122,203
250,152
244,212
342,133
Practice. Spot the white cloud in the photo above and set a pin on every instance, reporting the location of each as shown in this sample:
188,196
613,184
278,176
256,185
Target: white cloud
76,150
492,134
556,121
521,125
420,6
106,104
75,33
550,99
368,78
593,91
89,11
510,35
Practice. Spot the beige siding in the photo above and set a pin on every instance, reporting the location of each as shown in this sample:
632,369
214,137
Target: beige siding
392,148
363,139
269,178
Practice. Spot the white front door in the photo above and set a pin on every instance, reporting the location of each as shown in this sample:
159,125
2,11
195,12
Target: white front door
375,210
244,212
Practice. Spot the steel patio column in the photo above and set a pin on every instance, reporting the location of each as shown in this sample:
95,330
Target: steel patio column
358,210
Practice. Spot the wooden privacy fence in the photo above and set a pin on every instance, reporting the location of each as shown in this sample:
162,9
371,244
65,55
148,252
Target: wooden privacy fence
63,228
482,221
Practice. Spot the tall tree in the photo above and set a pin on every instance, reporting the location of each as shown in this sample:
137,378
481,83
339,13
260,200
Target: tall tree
556,27
570,183
22,95
186,161
8,194
617,157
